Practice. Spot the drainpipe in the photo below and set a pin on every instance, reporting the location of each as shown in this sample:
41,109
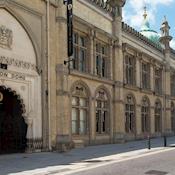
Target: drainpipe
48,63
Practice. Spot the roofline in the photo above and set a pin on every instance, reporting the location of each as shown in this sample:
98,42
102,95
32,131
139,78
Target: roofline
128,29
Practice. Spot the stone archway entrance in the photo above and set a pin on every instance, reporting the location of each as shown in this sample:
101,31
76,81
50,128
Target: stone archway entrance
13,128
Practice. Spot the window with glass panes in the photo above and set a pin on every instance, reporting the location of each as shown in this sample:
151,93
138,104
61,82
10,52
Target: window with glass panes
173,84
102,113
158,80
172,117
158,116
101,59
130,74
145,115
79,111
145,76
130,114
79,52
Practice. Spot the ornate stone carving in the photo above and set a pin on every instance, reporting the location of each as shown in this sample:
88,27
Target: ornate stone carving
6,37
17,63
1,96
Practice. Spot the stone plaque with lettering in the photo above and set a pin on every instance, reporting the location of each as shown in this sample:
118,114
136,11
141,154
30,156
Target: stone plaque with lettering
6,37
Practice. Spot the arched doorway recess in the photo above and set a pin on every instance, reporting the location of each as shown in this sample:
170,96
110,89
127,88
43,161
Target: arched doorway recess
13,128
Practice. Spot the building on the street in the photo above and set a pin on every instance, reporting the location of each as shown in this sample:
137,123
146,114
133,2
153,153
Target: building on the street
120,85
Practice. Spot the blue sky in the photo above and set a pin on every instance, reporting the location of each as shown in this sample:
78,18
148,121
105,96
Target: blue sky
156,10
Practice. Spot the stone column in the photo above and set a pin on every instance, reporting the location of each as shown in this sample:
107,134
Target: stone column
29,122
118,97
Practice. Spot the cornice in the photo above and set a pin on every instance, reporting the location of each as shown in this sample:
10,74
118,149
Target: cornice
92,27
102,6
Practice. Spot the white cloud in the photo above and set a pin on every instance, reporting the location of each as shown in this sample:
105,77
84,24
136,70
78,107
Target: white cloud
134,18
172,44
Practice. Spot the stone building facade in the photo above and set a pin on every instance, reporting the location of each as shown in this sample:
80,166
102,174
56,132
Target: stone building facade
119,86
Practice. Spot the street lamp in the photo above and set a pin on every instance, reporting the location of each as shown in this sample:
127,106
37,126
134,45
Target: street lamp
115,3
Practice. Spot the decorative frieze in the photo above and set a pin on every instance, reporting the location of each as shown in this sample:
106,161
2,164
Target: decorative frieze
34,144
6,37
17,63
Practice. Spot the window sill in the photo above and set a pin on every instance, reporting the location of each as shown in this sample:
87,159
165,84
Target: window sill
148,91
132,87
91,76
172,97
79,135
103,135
158,94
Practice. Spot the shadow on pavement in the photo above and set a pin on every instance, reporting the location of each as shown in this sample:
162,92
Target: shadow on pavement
16,163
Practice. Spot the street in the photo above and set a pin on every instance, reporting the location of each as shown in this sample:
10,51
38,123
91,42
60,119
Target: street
156,164
131,158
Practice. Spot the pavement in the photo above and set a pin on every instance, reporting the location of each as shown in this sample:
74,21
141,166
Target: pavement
77,160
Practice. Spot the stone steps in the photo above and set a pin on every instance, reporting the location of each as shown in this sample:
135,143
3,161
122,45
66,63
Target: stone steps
78,143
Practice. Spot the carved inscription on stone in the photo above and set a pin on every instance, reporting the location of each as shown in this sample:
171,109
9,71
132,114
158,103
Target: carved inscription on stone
11,75
6,37
17,63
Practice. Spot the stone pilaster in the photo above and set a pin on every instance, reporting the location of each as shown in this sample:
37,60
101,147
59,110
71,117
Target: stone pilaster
152,120
138,120
138,72
167,86
63,101
92,121
29,122
92,51
152,77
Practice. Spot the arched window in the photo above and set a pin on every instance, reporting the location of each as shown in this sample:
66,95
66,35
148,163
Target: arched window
129,114
102,112
145,115
158,116
79,110
172,117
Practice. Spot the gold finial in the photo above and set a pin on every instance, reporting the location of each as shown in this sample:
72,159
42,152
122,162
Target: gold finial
145,13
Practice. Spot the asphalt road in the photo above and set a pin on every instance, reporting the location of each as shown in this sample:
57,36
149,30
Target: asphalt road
157,164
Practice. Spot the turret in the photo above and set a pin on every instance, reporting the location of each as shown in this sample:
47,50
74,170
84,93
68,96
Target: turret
165,36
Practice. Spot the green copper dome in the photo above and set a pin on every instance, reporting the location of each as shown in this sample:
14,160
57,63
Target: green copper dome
148,32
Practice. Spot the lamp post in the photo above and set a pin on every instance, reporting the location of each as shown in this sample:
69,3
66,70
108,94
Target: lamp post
69,4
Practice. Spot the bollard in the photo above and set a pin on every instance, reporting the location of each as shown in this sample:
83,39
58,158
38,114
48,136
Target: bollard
149,142
165,141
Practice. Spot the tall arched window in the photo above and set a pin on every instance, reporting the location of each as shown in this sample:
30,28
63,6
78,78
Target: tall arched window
130,114
79,110
158,116
172,117
145,115
102,112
